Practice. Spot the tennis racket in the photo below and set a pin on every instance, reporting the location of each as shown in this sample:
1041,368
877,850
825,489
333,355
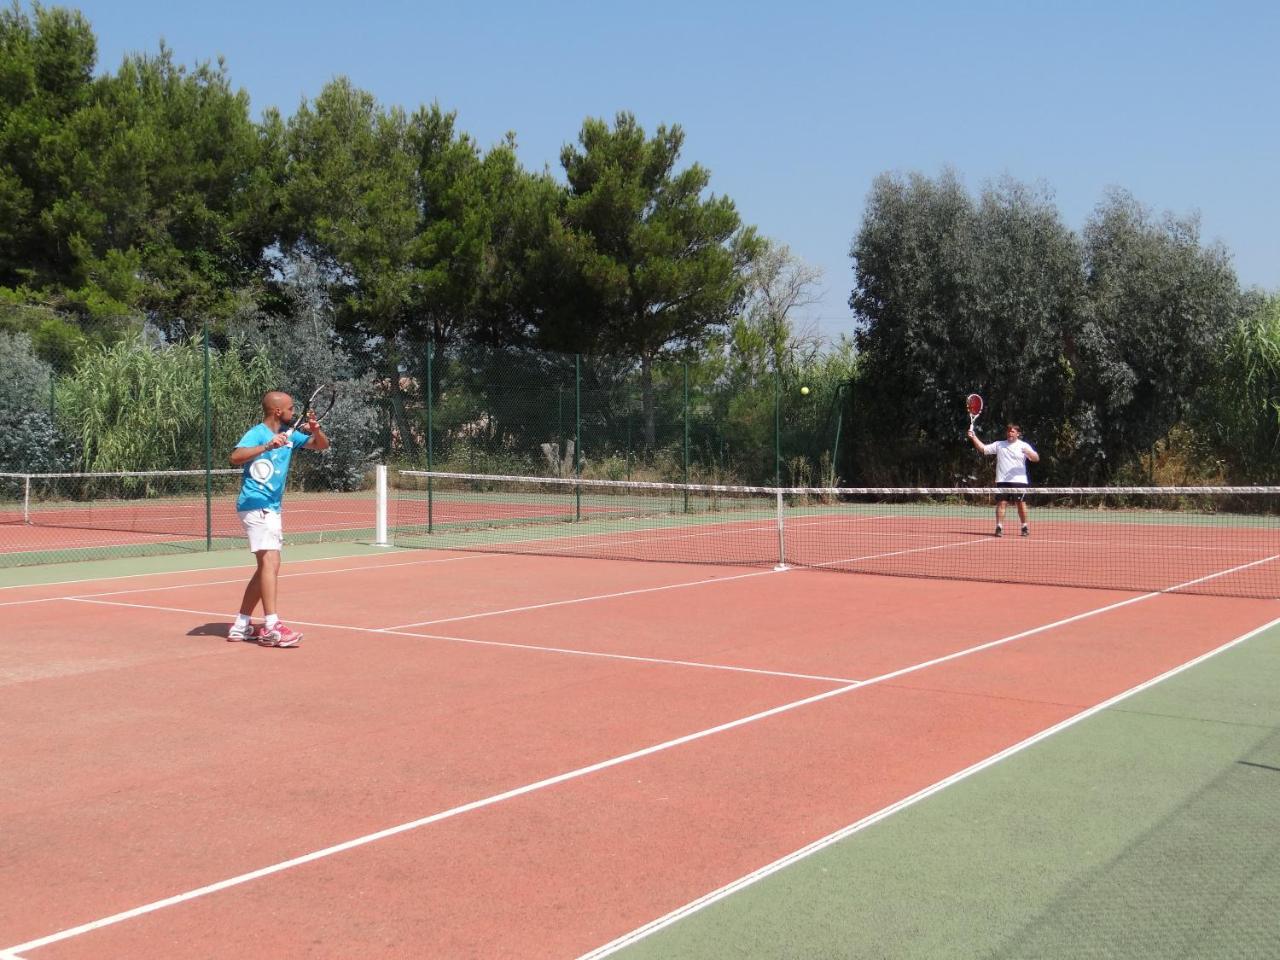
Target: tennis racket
973,403
321,404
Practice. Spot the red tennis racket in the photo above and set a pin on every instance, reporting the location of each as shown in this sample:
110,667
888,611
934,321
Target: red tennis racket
973,403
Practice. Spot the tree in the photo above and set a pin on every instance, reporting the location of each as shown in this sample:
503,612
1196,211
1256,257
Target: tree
46,77
778,284
1239,410
32,442
305,352
912,278
1027,303
654,266
124,194
394,203
1161,308
955,297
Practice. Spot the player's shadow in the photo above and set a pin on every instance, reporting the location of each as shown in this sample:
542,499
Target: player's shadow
210,630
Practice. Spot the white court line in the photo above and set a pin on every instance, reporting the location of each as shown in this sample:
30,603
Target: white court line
573,600
283,576
171,573
237,579
531,787
884,813
472,551
537,648
521,609
671,586
710,528
415,824
898,553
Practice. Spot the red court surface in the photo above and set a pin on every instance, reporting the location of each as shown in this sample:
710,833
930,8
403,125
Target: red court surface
554,751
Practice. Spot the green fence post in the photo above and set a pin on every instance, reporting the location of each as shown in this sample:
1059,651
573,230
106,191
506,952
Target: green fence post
560,437
208,448
835,443
431,349
686,433
577,434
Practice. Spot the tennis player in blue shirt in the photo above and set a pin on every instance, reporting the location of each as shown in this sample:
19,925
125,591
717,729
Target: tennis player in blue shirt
265,452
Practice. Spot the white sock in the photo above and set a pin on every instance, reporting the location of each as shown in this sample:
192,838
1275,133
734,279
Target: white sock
272,620
241,620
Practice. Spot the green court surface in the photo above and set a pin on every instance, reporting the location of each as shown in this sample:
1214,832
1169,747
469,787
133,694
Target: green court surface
1148,830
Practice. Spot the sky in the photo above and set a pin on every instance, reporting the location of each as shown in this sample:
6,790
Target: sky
795,107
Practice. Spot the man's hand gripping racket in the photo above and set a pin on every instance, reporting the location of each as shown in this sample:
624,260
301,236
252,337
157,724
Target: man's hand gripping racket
315,410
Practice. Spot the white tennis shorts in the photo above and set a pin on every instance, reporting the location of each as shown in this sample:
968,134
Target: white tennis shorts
263,528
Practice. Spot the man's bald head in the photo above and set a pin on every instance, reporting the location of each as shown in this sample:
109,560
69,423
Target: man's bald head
276,403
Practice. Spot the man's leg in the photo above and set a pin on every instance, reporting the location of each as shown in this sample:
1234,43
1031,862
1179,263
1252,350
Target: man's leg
1022,515
268,572
274,633
242,629
1000,504
252,591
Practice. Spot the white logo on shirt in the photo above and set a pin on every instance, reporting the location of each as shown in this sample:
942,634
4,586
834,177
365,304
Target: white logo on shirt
262,469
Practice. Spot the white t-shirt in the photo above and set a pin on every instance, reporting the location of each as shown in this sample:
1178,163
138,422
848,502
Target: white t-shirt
1011,460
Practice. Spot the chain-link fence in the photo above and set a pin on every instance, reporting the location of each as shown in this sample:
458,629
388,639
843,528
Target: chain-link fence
149,405
537,413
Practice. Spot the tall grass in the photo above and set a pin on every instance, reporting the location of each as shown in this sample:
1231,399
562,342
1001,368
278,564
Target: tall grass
1239,415
134,406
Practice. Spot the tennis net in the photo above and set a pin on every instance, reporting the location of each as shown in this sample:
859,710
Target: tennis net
1209,540
55,517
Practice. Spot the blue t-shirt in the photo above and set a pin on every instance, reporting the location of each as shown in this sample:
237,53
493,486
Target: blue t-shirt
264,476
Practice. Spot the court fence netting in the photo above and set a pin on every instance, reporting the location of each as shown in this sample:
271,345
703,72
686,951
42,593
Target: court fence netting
63,517
1221,541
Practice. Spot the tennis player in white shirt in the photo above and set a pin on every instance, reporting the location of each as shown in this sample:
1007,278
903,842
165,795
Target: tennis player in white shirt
1011,455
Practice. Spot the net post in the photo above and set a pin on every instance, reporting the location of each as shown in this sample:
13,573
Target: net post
26,499
380,517
208,448
782,549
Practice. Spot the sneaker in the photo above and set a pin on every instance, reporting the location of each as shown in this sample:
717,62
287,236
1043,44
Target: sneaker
999,531
239,633
279,636
1026,531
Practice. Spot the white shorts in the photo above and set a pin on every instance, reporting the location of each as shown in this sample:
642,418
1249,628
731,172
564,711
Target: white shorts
263,528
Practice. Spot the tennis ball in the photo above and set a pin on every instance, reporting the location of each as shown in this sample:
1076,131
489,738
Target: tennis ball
804,391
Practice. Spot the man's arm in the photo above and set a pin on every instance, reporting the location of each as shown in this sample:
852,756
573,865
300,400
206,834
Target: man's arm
981,447
242,455
1030,452
316,440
